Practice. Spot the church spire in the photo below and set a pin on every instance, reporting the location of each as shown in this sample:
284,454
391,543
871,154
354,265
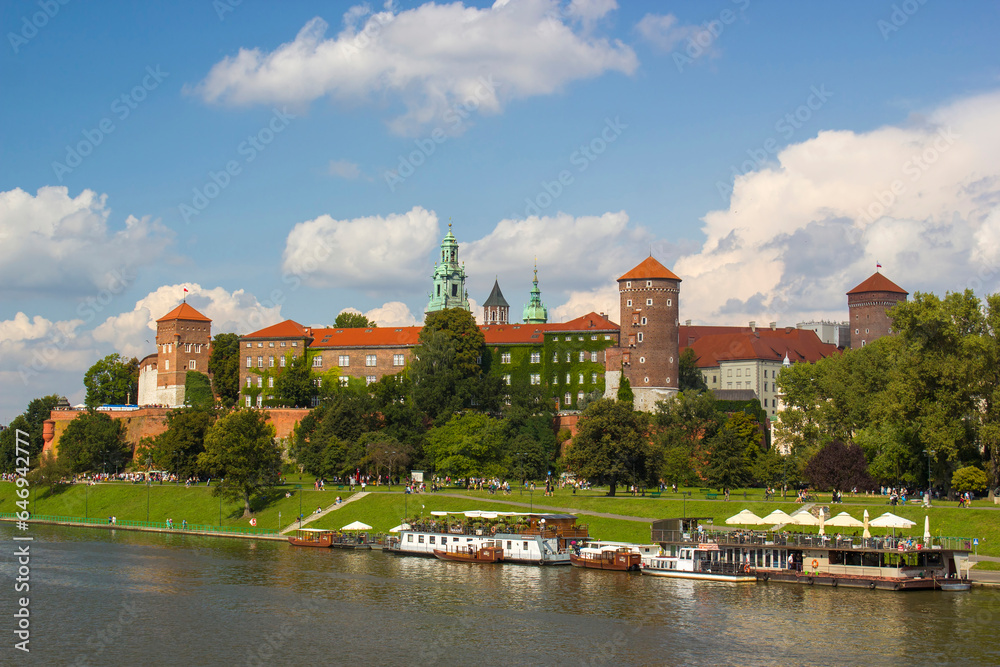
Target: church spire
536,312
449,278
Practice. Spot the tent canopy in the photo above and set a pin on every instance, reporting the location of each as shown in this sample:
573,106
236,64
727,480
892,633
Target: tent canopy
890,520
744,518
845,520
777,516
803,518
357,525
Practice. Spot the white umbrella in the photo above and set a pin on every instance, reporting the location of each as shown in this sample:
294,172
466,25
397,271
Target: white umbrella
927,531
803,518
402,526
822,520
744,518
890,520
867,534
776,517
844,520
357,525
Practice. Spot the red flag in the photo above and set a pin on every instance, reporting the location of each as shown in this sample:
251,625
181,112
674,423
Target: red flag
877,266
186,289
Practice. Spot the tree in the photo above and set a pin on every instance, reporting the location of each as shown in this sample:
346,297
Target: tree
9,439
224,366
685,424
240,448
747,431
177,449
382,452
50,472
94,441
469,444
112,380
344,418
625,393
769,469
969,478
610,444
446,371
727,467
690,378
39,410
838,466
198,391
294,386
351,320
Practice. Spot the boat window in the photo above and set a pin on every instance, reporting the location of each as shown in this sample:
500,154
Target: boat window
454,539
409,538
525,546
508,544
420,539
432,539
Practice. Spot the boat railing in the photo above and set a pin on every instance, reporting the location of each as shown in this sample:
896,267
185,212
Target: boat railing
807,540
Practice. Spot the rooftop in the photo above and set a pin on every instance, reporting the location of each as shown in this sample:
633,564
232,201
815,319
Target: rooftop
876,282
184,312
649,268
801,345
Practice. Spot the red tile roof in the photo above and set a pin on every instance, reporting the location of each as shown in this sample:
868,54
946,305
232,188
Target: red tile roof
535,333
585,323
649,268
184,312
878,283
373,337
766,344
286,329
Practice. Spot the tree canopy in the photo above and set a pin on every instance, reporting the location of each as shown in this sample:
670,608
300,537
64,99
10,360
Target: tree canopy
113,380
93,441
610,444
224,366
351,320
240,448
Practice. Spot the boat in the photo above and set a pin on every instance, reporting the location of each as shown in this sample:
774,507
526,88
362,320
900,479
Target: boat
527,538
617,558
955,586
885,563
486,551
312,537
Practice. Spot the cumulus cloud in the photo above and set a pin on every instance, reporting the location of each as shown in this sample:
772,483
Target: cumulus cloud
133,333
666,32
367,253
431,59
922,198
344,169
389,314
54,243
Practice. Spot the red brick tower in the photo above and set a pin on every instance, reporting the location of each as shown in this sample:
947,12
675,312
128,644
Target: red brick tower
869,304
649,296
183,343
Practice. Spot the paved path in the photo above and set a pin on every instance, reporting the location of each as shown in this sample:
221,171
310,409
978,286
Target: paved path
546,508
295,525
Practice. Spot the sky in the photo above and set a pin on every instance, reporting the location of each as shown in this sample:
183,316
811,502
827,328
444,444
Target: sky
290,160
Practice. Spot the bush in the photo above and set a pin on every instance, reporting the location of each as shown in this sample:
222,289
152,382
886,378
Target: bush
969,478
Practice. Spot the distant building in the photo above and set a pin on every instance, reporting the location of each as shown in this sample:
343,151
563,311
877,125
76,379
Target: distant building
535,312
868,304
834,333
183,343
449,278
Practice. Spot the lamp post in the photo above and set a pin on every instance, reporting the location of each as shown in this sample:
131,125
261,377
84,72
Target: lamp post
149,462
929,453
520,465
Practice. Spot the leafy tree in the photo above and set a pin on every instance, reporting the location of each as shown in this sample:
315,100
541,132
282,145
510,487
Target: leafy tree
610,444
685,424
529,443
728,466
969,478
402,420
240,448
112,380
177,449
890,455
294,386
94,441
839,466
469,444
345,417
51,471
383,453
676,467
769,469
198,391
224,366
9,440
341,457
446,371
690,378
748,431
349,320
625,393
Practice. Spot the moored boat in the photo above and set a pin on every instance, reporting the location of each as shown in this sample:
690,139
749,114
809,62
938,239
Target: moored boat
617,558
486,551
312,537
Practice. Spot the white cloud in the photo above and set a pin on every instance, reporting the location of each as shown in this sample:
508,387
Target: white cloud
666,33
432,59
590,11
344,169
922,198
133,333
392,314
365,253
599,300
53,243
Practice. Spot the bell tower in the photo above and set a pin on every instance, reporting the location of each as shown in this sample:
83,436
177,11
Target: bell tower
449,278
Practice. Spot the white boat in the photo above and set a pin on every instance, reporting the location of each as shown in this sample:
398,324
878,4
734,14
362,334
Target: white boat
700,562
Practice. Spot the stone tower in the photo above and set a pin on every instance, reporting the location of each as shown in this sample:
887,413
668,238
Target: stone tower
449,278
183,343
649,296
496,310
535,312
869,304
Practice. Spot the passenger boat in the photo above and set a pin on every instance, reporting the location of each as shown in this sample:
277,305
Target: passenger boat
486,551
538,539
618,558
887,563
312,537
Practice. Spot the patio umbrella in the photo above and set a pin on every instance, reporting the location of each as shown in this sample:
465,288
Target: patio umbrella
744,518
927,530
867,534
822,520
402,526
844,520
357,525
803,518
776,517
890,520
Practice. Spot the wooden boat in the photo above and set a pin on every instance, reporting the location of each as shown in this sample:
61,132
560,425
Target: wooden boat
312,537
621,559
485,552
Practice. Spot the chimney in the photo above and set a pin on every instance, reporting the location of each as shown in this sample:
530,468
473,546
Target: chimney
687,323
753,326
773,325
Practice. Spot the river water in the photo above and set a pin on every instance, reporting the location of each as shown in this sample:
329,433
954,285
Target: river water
103,597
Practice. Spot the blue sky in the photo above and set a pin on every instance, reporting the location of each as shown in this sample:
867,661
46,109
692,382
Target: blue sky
751,146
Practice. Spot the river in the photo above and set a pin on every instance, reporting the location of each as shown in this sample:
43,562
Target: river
102,597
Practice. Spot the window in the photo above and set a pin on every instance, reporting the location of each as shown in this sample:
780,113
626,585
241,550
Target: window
249,362
317,361
579,397
506,378
729,372
248,401
345,360
536,378
583,355
765,402
536,357
649,302
593,337
294,344
628,284
593,378
765,388
607,336
593,356
343,379
192,365
629,303
644,321
282,343
642,360
569,357
857,331
370,379
260,344
271,344
729,385
187,347
270,383
270,361
581,378
569,399
260,381
505,358
370,360
568,378
281,362
249,344
555,379
669,302
260,362
640,337
714,380
249,382
398,360
866,330
649,283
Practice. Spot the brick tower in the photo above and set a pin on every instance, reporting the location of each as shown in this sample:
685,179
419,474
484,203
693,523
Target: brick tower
649,296
183,343
869,304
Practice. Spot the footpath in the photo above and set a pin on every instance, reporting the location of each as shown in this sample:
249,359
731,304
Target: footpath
295,525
